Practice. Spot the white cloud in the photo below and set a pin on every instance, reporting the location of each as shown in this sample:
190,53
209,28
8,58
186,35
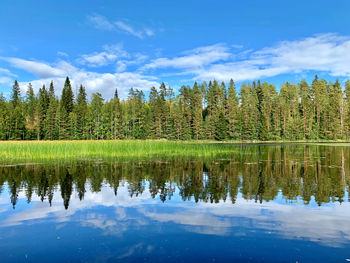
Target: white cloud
328,53
5,71
326,224
196,58
6,80
101,22
129,29
104,83
40,69
62,54
149,32
109,55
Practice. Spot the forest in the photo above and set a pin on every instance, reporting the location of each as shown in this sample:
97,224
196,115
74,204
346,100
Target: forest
207,111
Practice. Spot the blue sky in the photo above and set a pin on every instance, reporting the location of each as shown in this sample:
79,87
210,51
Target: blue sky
122,44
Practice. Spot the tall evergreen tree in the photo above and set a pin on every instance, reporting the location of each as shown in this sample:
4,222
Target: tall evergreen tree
67,98
347,110
81,113
249,112
16,119
196,112
30,113
307,110
232,112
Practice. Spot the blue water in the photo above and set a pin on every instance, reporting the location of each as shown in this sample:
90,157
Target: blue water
118,224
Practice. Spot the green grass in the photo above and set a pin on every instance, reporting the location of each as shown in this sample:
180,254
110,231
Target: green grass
43,151
62,151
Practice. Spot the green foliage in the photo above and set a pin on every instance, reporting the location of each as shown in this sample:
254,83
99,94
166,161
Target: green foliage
259,112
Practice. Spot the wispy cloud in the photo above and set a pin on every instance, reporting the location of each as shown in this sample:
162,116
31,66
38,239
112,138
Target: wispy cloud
327,53
109,55
129,29
62,54
101,22
112,54
195,58
4,71
105,83
39,69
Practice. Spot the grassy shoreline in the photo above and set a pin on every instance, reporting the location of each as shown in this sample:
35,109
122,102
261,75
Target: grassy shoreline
50,151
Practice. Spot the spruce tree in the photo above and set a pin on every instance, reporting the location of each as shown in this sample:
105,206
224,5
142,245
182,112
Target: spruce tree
30,113
67,98
196,112
347,110
232,112
81,112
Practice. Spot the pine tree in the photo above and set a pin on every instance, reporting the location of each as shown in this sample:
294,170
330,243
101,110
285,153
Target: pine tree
232,112
51,92
16,119
221,128
4,118
289,96
67,98
42,107
347,110
335,112
117,117
320,100
307,111
96,113
155,125
51,131
185,100
81,113
30,113
268,100
249,113
16,94
196,112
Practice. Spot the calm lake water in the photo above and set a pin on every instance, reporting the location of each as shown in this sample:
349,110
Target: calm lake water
267,203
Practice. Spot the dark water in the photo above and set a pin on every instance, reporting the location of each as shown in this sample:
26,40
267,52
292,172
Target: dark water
265,204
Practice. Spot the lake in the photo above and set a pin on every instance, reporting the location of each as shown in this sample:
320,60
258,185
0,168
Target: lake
262,203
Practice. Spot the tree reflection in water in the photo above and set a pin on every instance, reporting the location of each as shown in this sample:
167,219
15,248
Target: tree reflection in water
257,172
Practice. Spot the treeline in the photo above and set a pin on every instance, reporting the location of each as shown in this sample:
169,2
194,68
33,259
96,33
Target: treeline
205,111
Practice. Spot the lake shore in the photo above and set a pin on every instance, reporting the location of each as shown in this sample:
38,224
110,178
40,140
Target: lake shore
42,151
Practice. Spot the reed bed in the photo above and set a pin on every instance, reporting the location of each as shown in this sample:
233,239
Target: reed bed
43,151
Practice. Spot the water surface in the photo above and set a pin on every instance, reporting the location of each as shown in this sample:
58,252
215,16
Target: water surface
264,203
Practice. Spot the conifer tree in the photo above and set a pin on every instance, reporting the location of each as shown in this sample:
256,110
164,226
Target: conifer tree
335,112
16,94
81,113
249,112
196,112
30,113
117,117
307,111
347,110
67,98
232,112
4,118
320,101
16,118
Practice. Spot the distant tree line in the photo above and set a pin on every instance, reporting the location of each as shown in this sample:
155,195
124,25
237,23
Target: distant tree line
205,111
